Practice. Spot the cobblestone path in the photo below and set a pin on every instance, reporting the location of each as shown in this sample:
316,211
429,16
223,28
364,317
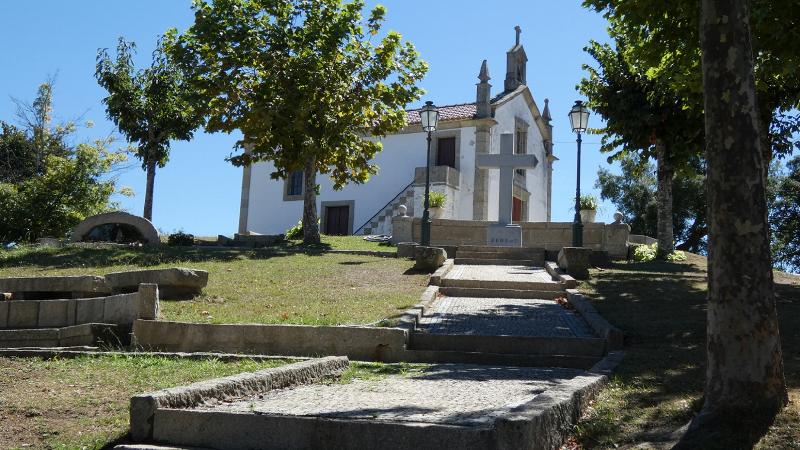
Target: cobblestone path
456,394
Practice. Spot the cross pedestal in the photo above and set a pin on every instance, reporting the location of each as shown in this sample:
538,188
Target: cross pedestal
504,233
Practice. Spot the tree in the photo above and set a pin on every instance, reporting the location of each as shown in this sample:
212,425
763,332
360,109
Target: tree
48,185
303,82
644,119
151,107
784,215
745,386
634,193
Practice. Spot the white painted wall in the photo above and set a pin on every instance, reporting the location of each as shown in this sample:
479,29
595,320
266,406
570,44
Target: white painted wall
536,179
401,154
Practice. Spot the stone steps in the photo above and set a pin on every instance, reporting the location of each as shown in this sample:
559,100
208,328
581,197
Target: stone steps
510,345
501,284
89,334
497,262
500,359
501,293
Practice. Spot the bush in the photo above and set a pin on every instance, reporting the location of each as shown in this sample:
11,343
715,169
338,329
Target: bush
437,199
295,232
645,253
180,239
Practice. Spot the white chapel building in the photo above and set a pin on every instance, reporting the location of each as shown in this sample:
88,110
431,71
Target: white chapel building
464,130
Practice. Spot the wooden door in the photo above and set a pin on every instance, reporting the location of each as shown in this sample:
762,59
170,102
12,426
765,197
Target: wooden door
337,220
446,152
516,213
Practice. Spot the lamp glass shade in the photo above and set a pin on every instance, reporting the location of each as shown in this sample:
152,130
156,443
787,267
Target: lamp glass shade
579,117
429,115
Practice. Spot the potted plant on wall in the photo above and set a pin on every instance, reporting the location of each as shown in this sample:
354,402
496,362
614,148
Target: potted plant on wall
436,201
588,205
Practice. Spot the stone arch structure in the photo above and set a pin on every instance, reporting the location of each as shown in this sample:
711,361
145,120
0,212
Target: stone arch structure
144,227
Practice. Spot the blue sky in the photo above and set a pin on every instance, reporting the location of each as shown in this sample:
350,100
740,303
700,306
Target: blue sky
198,191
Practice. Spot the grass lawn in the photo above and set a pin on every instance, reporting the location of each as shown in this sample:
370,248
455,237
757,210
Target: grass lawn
658,387
270,285
83,402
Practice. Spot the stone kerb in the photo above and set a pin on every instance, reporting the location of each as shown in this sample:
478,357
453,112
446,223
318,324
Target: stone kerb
144,226
80,286
614,336
143,407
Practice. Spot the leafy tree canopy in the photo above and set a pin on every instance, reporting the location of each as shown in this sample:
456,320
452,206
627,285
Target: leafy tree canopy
302,79
784,215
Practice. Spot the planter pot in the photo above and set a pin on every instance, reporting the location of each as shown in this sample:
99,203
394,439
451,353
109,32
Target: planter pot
588,215
436,213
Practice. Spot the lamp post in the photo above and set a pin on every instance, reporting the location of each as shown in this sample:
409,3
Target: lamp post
429,115
579,119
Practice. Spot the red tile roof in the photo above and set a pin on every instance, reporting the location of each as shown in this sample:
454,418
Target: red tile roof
449,112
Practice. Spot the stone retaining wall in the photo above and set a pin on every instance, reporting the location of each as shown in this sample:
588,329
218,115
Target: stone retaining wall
121,309
552,236
360,343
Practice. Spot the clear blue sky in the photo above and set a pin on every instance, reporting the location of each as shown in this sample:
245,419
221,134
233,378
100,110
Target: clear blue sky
199,191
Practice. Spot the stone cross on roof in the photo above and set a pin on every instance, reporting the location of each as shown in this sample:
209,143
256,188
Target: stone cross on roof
506,161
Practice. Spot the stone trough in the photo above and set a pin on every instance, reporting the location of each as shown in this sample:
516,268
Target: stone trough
437,406
173,283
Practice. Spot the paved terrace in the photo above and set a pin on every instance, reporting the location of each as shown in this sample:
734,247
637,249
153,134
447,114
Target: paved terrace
523,274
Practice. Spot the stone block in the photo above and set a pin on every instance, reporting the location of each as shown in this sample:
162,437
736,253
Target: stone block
402,229
173,283
498,235
575,261
406,249
56,313
429,258
616,240
3,313
23,314
89,310
121,309
62,284
148,305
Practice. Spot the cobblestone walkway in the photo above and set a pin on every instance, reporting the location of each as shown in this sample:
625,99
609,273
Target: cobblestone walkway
456,394
500,273
503,316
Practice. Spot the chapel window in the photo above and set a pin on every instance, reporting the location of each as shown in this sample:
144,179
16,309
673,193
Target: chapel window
446,152
295,185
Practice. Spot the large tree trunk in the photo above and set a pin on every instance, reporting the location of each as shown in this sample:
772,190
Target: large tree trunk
745,387
148,193
665,236
310,221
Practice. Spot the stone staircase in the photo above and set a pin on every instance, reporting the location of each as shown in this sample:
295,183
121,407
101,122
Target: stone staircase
381,223
503,314
500,256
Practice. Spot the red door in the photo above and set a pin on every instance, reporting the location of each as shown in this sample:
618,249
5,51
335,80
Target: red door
516,213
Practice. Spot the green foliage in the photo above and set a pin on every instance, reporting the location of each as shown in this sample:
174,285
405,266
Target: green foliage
662,43
48,185
150,106
180,239
645,253
784,216
437,199
588,202
69,189
302,80
633,193
295,232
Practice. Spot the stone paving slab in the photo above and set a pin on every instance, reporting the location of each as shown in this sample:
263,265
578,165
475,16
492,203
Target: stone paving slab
503,317
500,273
452,394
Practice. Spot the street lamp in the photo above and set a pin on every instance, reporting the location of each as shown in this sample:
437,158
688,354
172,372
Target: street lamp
429,115
579,119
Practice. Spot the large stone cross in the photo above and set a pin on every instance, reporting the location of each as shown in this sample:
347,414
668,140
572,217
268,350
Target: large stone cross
507,162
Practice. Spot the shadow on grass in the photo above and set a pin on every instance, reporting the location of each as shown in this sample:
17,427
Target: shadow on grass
147,256
661,307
